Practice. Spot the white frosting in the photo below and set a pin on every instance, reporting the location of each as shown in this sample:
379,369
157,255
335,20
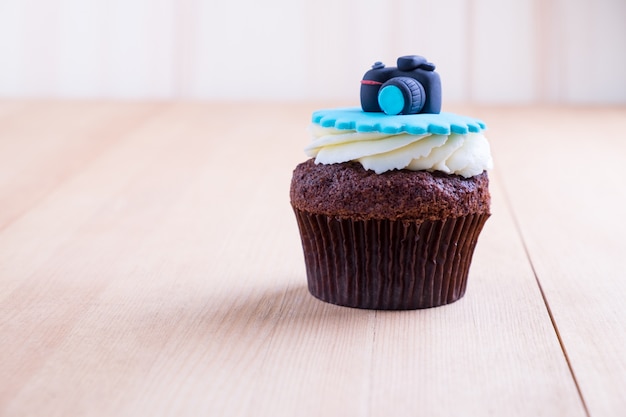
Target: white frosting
466,155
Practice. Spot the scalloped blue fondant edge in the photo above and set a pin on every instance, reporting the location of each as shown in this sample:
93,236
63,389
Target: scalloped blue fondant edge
354,118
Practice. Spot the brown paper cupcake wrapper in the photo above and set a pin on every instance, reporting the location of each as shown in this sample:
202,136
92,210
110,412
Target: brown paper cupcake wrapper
388,265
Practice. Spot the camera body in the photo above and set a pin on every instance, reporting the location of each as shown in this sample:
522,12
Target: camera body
410,88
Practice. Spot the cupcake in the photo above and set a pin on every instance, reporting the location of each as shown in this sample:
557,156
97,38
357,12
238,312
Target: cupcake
395,195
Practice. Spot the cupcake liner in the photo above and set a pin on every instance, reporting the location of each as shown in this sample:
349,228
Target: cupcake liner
385,264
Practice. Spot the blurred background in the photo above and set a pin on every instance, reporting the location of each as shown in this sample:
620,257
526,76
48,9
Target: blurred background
487,51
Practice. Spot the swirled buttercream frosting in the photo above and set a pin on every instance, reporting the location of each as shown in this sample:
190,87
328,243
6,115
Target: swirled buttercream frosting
445,142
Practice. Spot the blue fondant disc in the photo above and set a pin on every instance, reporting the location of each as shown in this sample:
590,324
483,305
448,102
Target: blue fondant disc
354,118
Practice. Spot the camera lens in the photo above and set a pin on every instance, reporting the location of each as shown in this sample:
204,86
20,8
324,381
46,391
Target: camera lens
401,95
391,100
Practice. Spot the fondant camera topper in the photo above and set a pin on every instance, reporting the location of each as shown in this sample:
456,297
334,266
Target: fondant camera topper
412,87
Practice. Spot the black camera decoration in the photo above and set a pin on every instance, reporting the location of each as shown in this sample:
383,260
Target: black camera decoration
410,88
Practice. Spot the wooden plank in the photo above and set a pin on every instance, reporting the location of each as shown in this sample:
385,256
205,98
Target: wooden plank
166,277
94,230
492,353
8,108
562,170
44,143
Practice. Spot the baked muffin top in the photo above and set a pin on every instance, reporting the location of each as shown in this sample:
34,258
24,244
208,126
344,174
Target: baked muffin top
347,190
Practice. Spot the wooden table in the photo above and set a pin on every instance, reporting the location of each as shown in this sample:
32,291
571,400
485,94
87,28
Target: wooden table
150,265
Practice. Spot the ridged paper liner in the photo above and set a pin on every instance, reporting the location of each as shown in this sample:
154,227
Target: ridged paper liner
388,265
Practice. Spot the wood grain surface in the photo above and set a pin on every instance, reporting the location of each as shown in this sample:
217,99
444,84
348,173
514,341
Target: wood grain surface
150,264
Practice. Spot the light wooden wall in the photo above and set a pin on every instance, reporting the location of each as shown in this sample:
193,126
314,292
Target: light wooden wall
502,51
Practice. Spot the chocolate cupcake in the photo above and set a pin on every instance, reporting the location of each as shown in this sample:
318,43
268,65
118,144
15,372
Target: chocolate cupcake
390,208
